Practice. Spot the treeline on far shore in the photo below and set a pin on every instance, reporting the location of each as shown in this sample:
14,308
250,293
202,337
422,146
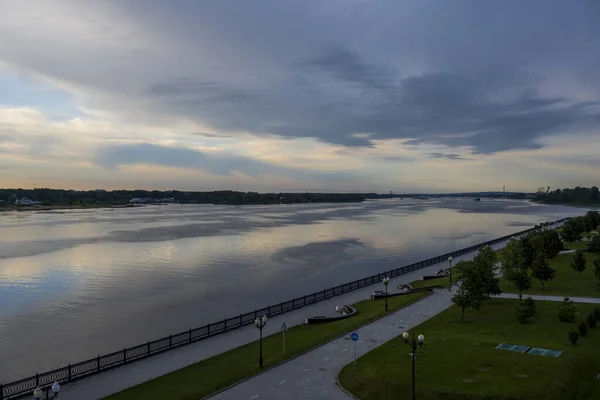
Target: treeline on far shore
100,197
579,195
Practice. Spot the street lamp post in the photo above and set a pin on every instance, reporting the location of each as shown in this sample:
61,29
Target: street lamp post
450,267
413,345
386,281
55,388
260,324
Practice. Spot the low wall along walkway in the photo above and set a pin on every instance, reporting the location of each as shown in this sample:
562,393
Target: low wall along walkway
72,372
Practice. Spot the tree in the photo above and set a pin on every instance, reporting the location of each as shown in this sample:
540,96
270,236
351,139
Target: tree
522,281
485,262
578,262
591,320
528,250
594,245
526,310
512,259
552,243
541,270
566,311
470,292
571,231
583,329
573,337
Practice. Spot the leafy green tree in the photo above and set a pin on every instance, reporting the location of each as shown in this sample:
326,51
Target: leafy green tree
470,293
578,262
512,259
591,320
570,233
583,329
573,337
552,243
566,311
526,310
485,264
541,269
528,250
594,245
522,281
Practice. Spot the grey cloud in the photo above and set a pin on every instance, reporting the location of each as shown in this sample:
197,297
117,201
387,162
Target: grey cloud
211,135
445,73
451,156
115,155
111,156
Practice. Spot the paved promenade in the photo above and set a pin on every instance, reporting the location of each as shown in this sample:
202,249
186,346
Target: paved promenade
121,378
313,375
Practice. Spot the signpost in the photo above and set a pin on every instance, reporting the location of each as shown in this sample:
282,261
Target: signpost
283,329
354,338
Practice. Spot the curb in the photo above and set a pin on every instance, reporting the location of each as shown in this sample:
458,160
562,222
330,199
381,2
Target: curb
337,382
308,351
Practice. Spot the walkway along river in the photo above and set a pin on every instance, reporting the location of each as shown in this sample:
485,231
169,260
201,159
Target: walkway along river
106,362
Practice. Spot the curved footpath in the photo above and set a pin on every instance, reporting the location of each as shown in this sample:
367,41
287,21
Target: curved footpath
118,379
313,375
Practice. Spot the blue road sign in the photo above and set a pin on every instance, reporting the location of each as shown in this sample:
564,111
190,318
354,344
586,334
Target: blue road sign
354,336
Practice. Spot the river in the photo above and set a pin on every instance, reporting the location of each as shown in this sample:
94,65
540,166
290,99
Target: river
78,283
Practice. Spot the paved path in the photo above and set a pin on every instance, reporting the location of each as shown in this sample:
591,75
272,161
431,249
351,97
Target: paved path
121,378
591,300
313,375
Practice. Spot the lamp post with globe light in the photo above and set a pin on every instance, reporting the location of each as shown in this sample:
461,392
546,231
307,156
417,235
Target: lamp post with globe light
55,388
413,345
386,282
260,324
450,267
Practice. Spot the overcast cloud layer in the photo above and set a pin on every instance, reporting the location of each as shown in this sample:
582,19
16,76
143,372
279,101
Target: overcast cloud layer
313,95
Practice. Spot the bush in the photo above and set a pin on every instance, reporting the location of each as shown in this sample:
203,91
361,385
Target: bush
566,311
597,313
573,337
526,310
592,321
583,329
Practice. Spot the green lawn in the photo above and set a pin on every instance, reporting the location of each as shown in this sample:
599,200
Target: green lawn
444,281
459,361
208,376
566,282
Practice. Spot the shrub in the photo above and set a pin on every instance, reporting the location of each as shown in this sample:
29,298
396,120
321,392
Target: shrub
526,310
592,321
583,329
573,337
597,313
566,311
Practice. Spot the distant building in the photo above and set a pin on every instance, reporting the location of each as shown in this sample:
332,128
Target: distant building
26,202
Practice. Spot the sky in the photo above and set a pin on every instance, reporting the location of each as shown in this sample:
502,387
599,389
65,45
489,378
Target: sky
312,95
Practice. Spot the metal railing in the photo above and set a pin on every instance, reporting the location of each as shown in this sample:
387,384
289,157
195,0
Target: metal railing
99,364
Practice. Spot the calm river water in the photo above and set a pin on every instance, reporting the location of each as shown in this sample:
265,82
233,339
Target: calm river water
74,284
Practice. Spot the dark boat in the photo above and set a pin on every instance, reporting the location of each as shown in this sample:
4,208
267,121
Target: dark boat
476,199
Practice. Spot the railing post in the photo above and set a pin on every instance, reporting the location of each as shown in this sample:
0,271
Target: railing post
69,368
269,312
190,335
255,314
125,355
281,307
207,329
240,319
148,348
304,300
170,341
98,363
1,392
